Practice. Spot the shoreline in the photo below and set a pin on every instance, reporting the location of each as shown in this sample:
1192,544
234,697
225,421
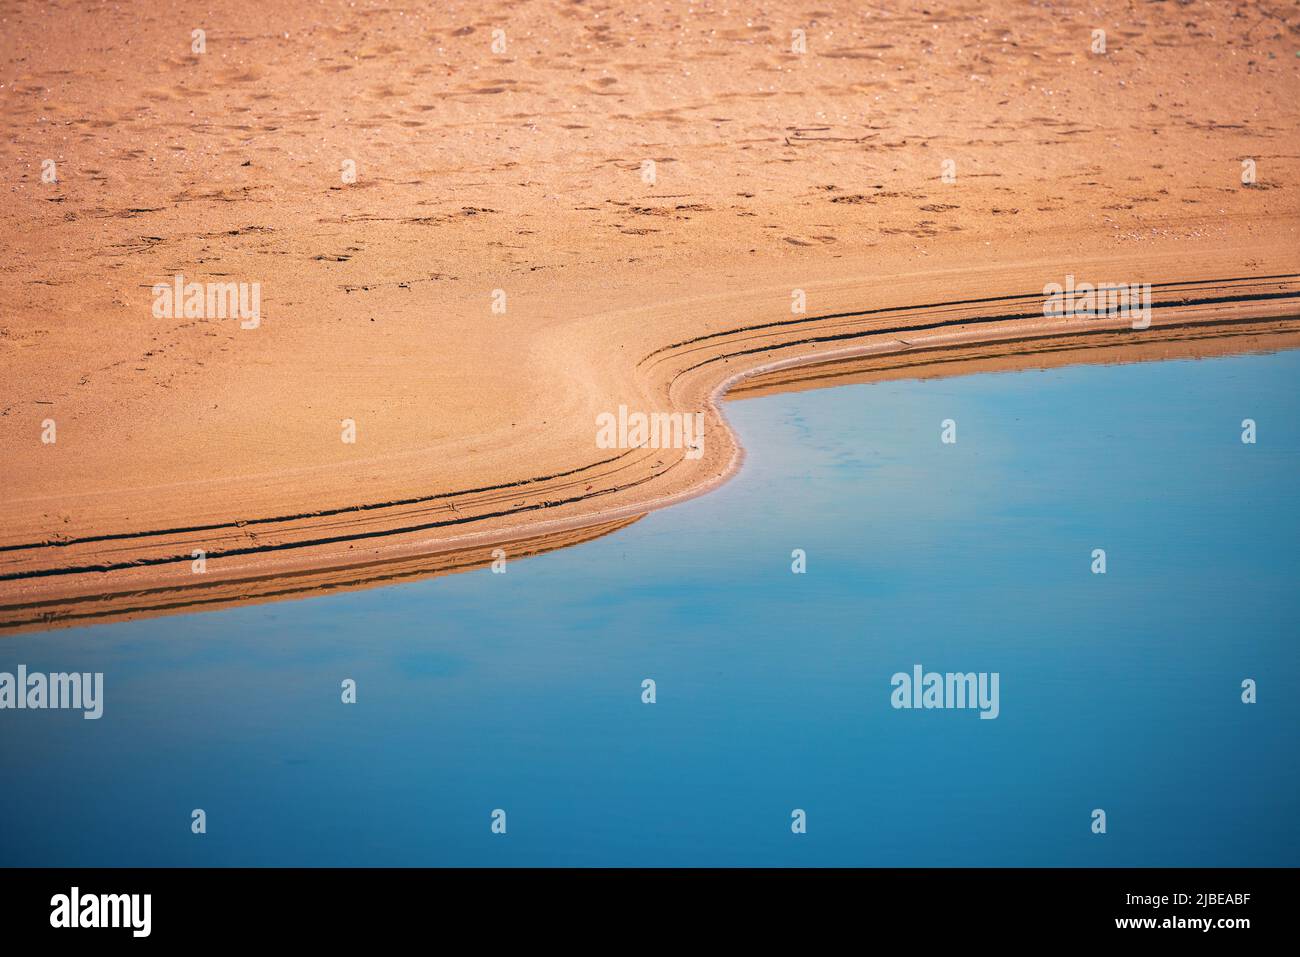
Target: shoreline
56,596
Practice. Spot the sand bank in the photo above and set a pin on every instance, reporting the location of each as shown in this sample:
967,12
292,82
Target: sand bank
504,268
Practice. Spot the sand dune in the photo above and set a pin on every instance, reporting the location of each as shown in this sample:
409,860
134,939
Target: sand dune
522,179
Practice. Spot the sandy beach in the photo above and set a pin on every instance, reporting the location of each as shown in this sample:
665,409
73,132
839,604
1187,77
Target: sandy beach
475,228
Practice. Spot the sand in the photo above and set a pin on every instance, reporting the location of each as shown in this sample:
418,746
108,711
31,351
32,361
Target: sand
524,173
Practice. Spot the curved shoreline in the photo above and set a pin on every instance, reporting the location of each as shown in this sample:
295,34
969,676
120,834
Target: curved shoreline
41,593
1291,295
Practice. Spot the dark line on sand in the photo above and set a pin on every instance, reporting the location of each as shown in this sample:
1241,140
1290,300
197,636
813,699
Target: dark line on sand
358,536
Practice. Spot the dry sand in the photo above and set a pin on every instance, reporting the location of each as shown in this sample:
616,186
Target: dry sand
523,171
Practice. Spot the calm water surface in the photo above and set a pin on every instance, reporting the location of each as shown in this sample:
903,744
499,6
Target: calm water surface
523,691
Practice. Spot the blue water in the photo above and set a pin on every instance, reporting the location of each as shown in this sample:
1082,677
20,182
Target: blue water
522,691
